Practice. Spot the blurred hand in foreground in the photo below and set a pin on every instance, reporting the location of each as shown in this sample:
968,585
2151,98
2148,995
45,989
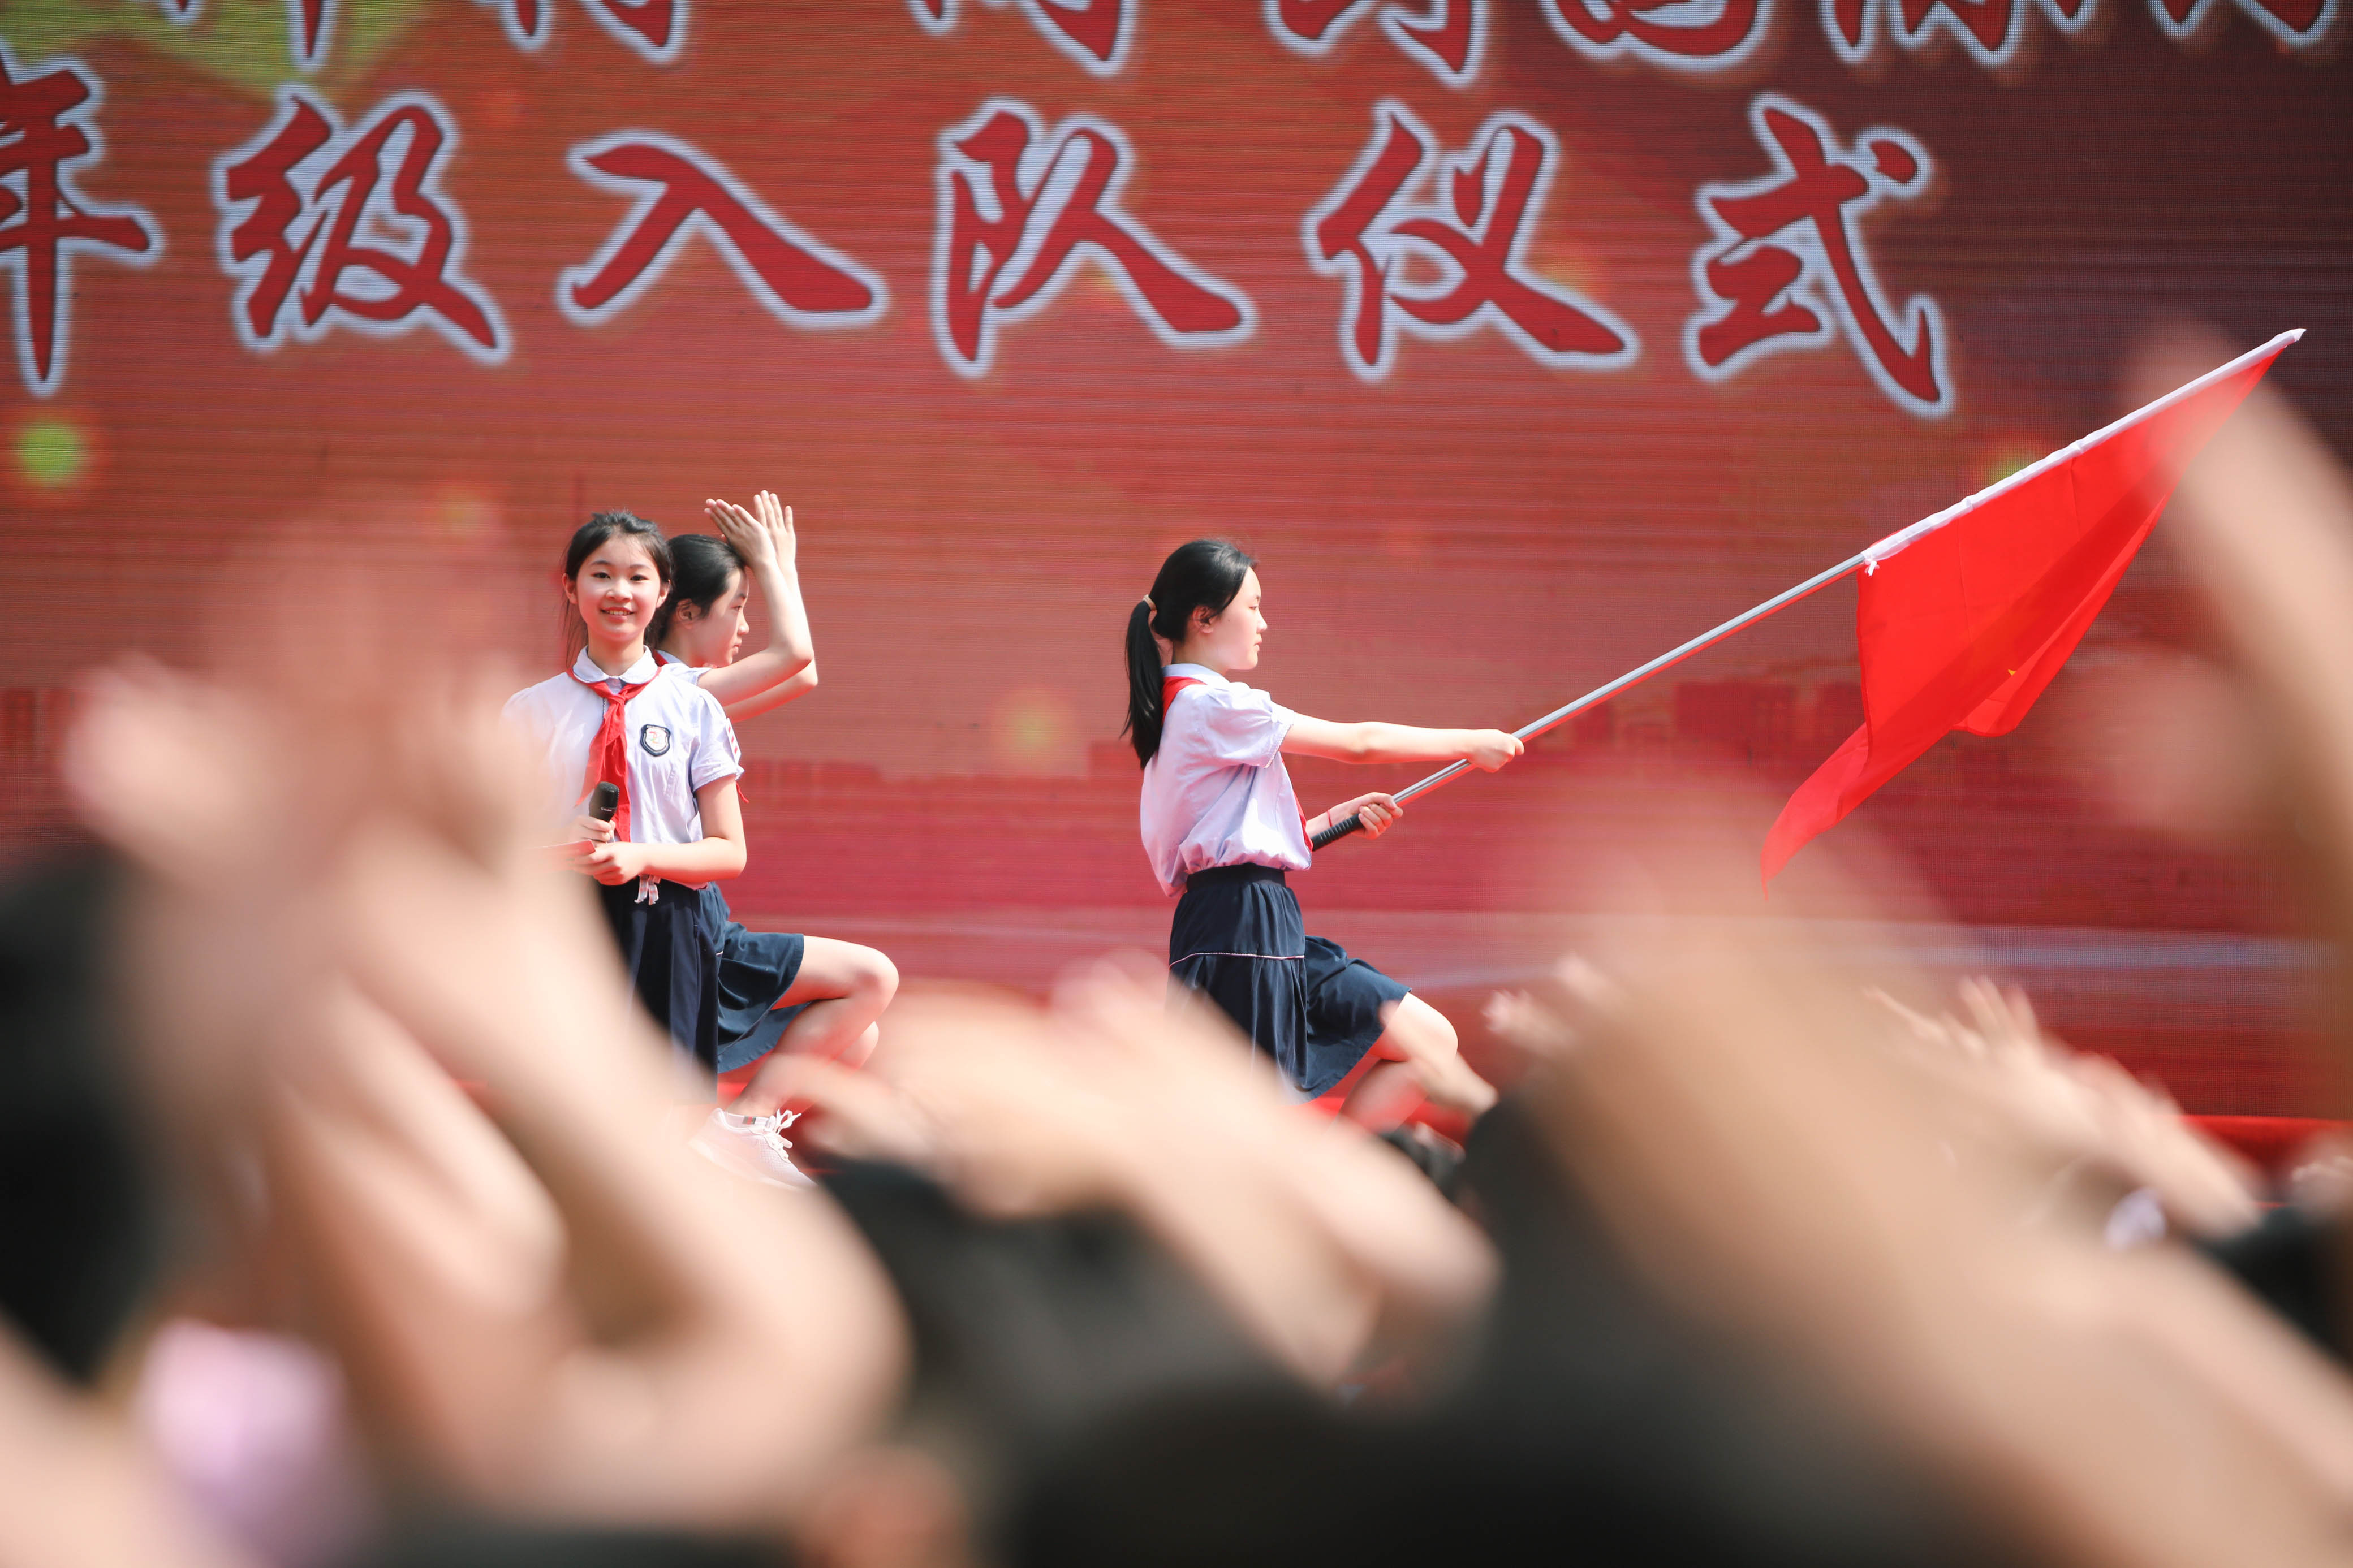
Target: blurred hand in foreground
339,912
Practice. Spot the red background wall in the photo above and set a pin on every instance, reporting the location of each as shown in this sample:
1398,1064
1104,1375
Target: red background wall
1472,539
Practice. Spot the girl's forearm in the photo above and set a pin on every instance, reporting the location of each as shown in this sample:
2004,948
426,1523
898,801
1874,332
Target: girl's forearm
704,860
1409,743
1373,742
773,697
788,627
789,617
789,645
790,649
1369,741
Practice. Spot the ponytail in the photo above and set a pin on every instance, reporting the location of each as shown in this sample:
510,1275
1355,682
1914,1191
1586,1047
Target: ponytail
1144,709
1205,574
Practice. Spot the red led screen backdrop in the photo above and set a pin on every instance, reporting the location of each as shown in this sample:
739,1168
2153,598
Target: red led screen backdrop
1521,339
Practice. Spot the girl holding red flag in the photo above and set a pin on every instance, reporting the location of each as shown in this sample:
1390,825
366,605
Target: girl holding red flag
1222,825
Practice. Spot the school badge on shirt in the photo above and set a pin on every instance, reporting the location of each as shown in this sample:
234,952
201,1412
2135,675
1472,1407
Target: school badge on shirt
655,738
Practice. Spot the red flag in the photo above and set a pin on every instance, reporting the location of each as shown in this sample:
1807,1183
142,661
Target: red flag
1962,619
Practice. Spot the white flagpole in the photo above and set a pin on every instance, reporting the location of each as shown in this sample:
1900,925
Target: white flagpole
1869,560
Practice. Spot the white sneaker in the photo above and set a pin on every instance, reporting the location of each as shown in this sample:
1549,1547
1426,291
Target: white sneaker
753,1146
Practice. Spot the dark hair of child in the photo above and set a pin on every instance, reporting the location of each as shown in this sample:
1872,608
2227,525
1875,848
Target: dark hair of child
1204,575
708,569
599,529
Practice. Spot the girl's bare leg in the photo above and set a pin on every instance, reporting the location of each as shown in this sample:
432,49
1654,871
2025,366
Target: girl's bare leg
1419,1060
847,987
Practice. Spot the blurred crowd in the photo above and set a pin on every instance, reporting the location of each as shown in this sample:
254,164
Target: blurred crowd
349,1220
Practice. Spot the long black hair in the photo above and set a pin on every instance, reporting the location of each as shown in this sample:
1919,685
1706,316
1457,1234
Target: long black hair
1205,574
708,568
600,528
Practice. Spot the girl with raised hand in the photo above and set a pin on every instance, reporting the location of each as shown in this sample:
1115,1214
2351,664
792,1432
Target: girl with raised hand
1222,827
704,622
779,994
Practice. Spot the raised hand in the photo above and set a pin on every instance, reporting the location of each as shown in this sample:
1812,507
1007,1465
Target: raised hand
746,534
1317,1242
786,668
778,519
1787,1179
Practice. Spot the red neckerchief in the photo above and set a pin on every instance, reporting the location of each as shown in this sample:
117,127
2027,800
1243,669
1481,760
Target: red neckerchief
609,754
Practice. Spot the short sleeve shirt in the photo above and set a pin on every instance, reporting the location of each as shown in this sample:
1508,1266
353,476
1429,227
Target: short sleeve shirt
678,735
1215,793
673,665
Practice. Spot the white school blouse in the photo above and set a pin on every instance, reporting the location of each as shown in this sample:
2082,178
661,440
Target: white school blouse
1215,793
678,735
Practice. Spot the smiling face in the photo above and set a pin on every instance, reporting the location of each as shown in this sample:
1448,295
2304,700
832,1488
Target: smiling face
713,636
1228,641
616,592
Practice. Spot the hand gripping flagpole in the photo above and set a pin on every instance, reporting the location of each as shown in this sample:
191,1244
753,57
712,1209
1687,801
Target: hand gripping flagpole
1868,559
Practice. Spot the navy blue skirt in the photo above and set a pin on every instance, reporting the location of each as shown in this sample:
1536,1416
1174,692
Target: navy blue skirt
1238,940
672,963
755,968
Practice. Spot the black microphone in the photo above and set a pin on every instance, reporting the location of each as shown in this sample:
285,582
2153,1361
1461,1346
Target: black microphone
605,800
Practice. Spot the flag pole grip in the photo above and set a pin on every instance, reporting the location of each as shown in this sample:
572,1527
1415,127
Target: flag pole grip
1352,823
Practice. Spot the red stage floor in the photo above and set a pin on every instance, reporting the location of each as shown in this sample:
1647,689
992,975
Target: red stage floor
2218,1018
